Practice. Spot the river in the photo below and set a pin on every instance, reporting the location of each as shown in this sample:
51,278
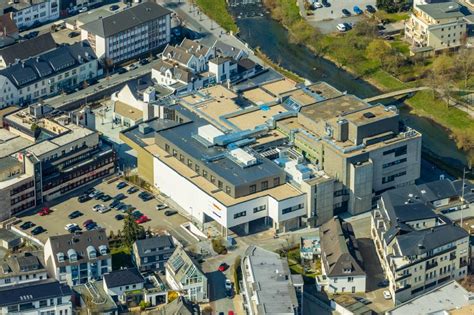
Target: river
273,40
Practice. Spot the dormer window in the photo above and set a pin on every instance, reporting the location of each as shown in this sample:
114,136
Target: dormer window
91,252
103,249
72,254
60,257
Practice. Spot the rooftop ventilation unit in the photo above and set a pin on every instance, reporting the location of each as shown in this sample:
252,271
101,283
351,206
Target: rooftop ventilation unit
243,157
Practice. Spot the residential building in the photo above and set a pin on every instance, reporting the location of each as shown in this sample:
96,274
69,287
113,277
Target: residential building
341,261
8,31
435,27
418,248
120,284
26,49
152,253
268,286
47,161
29,13
92,297
180,306
47,74
184,274
129,33
22,268
9,240
41,297
310,247
449,298
76,259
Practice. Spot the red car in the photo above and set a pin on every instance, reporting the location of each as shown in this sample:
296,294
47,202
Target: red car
87,222
223,267
142,219
44,211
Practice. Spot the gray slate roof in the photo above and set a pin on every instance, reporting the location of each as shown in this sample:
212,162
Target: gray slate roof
340,250
442,10
420,242
153,243
28,48
437,190
34,291
123,277
48,64
179,73
126,19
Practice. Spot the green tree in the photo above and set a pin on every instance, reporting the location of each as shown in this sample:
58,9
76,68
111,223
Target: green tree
378,50
132,231
442,74
465,65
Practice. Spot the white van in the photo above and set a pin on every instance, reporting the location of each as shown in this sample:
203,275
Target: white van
341,27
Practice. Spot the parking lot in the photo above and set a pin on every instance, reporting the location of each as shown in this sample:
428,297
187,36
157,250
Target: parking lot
55,222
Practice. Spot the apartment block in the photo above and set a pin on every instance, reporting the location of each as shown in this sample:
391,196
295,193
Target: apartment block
152,253
28,13
418,249
268,285
47,74
22,268
129,33
435,27
45,156
77,259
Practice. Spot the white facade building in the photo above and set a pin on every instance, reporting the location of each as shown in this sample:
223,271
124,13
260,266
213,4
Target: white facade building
27,13
129,33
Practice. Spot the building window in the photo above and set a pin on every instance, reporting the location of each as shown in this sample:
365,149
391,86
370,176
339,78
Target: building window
265,185
190,164
227,189
167,148
219,184
253,189
391,178
204,173
396,162
276,181
240,214
196,168
292,209
397,151
258,209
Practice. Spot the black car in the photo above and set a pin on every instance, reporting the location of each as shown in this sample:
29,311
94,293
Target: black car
119,217
91,226
346,12
27,225
132,190
114,7
75,214
370,8
114,203
84,198
37,230
31,35
120,197
92,81
105,198
122,185
145,196
73,34
169,213
144,61
121,70
325,3
98,196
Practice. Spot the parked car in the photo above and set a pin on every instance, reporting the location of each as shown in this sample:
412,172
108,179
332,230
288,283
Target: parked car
326,3
169,213
387,295
346,12
341,27
136,214
114,7
104,209
131,67
97,207
145,196
144,61
122,185
37,230
82,10
99,195
370,8
317,5
357,10
91,226
31,35
228,284
384,283
87,222
120,197
44,211
161,206
27,225
121,70
75,214
132,190
119,217
94,193
71,227
106,198
223,267
73,34
83,198
142,219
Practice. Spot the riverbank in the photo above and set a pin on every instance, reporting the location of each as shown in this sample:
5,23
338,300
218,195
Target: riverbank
348,52
269,62
217,11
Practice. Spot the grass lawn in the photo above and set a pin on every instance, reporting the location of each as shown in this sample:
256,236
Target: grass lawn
452,118
387,81
121,257
392,17
217,11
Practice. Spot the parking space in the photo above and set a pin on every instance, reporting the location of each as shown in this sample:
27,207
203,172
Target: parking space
55,222
334,11
66,36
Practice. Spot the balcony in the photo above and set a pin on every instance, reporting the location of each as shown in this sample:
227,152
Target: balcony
401,289
452,256
401,276
431,265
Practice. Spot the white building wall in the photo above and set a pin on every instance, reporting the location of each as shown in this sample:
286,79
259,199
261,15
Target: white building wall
41,12
342,284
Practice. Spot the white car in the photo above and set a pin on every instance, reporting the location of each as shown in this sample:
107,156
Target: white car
131,67
317,5
104,209
82,10
387,295
98,207
341,27
228,284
